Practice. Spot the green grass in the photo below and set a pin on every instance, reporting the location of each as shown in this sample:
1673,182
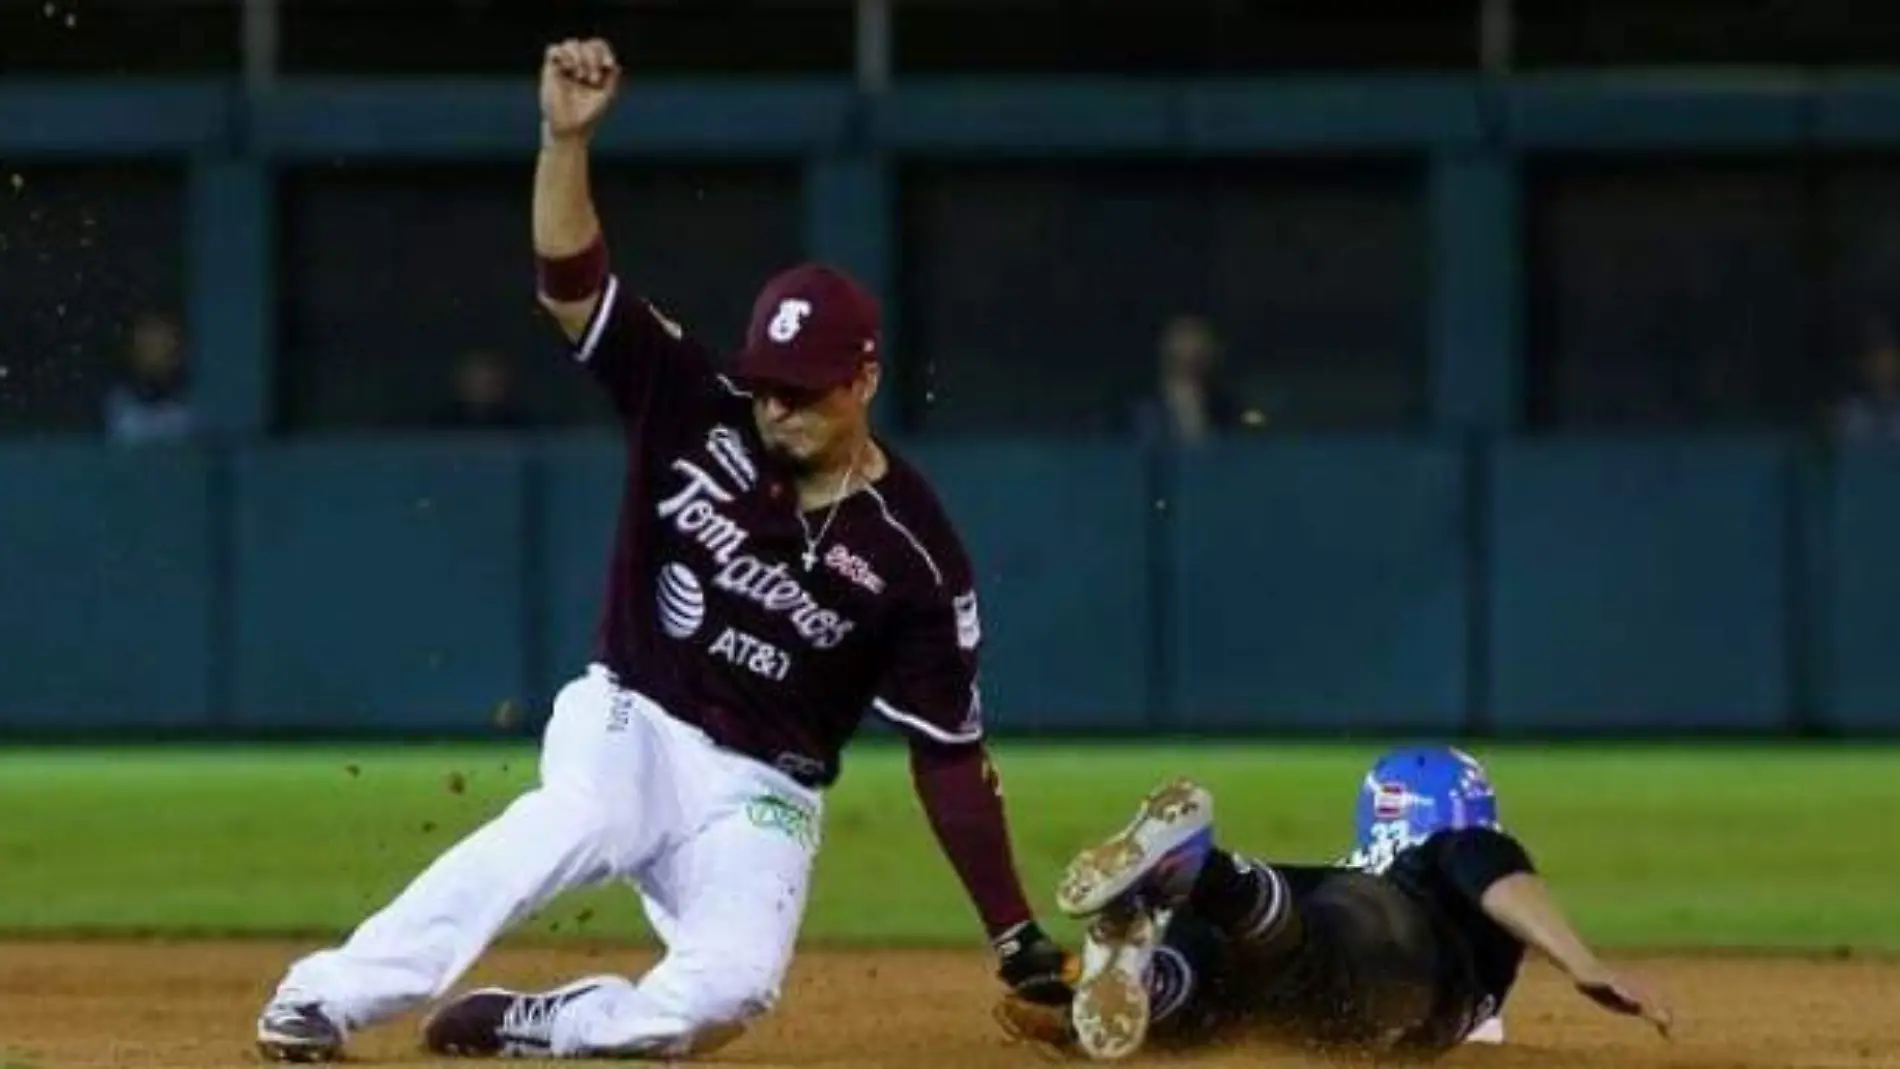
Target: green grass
1730,846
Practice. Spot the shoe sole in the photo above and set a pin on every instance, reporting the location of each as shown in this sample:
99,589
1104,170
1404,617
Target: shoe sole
1109,1014
277,1047
506,1049
1171,815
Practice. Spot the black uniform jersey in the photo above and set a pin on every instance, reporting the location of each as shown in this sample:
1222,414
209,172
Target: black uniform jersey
1390,952
1446,876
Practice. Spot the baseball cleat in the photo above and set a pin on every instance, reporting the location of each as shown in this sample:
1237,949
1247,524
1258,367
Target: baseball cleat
298,1032
496,1022
1109,1014
1156,858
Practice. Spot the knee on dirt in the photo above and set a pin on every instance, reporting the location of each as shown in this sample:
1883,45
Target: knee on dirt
712,1000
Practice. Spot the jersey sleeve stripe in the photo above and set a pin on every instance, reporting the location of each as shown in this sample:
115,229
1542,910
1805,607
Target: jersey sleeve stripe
924,727
897,525
597,326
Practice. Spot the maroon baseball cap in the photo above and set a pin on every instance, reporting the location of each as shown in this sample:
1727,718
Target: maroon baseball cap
812,328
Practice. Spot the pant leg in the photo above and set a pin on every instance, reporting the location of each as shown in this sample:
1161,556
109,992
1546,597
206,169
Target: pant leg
1278,974
583,822
1364,977
728,900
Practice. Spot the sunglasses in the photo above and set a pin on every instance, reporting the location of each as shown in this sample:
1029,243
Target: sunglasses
792,397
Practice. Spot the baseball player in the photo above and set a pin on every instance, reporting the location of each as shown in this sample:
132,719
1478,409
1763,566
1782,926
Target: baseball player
777,571
1407,947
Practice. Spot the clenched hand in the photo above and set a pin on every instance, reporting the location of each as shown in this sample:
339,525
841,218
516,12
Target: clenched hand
578,81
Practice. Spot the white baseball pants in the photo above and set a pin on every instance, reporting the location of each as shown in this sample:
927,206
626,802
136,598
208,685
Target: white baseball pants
719,846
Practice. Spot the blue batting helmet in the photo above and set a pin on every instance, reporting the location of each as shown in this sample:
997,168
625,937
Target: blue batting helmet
1413,792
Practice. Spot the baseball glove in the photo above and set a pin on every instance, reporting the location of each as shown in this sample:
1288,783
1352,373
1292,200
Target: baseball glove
1040,1024
1041,978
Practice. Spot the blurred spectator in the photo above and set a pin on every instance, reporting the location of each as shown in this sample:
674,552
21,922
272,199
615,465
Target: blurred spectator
483,395
149,402
1871,412
1191,400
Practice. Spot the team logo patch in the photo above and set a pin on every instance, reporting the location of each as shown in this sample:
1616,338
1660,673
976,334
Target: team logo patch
773,813
1390,801
969,626
854,568
682,601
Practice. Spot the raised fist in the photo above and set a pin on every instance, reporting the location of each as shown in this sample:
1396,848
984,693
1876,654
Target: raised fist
578,79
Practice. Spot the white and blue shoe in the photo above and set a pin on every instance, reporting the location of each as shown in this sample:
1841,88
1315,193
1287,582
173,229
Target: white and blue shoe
1129,885
1111,1009
1154,860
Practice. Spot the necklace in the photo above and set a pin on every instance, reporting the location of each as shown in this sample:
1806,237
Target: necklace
810,556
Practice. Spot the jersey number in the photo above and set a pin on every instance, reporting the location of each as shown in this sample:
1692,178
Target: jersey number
1378,854
789,320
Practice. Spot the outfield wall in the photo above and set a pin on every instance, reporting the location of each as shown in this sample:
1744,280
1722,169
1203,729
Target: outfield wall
416,585
1443,569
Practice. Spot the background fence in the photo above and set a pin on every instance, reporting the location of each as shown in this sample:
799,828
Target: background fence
1527,587
1557,401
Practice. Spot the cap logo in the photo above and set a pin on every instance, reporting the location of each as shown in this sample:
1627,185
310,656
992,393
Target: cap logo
789,320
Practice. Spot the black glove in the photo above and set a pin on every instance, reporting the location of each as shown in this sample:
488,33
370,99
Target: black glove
1034,967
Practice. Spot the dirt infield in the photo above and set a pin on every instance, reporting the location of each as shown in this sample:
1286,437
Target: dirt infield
192,1004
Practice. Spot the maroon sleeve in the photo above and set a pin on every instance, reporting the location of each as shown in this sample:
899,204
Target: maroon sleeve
959,791
639,356
930,688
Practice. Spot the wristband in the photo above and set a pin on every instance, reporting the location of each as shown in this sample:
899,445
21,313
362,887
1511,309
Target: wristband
1011,941
576,277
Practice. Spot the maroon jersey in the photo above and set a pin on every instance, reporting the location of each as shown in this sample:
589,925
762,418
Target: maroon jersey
714,607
